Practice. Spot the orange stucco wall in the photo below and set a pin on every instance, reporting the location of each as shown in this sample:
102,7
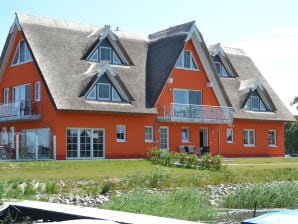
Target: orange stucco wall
27,73
135,145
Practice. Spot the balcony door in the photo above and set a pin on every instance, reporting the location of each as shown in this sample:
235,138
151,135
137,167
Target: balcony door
21,99
186,102
164,139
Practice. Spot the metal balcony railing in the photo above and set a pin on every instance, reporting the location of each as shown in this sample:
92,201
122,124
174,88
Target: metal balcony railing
21,110
195,113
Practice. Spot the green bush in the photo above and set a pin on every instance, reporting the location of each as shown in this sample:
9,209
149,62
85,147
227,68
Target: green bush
211,162
52,188
183,203
157,178
279,195
154,155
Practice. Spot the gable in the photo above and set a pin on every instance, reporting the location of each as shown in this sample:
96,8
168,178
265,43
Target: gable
256,103
220,68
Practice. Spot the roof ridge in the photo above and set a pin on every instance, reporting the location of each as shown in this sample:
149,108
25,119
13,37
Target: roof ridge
182,28
57,23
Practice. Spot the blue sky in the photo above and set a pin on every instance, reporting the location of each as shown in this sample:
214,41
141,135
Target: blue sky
266,29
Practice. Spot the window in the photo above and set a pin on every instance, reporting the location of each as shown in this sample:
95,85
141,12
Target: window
230,135
94,56
184,96
249,137
148,134
103,91
105,54
11,137
115,95
121,133
185,134
187,61
22,54
92,94
255,103
6,96
116,59
272,138
4,136
85,143
37,91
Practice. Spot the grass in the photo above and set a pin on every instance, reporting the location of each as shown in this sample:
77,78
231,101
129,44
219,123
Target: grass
279,195
183,203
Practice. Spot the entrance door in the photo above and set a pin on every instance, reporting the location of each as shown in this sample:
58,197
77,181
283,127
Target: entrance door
164,139
204,140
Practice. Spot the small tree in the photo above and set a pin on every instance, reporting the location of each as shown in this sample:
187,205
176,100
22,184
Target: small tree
295,102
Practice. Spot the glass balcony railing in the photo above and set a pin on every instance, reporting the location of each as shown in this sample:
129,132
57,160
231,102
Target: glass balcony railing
21,110
195,113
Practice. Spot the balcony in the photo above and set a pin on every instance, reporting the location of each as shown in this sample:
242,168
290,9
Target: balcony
20,111
189,113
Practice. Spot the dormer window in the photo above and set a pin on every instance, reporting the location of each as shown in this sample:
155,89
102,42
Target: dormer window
105,52
104,90
186,61
22,54
255,103
220,68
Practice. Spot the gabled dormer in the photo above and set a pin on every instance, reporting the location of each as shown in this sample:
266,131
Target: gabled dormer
108,49
258,100
106,86
221,62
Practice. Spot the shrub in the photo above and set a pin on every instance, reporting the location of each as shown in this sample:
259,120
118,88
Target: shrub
211,162
278,195
154,154
52,188
157,178
29,190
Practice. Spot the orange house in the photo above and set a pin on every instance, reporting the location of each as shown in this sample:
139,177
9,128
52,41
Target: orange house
77,91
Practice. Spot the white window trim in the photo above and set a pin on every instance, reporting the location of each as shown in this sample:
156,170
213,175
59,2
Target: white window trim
88,97
151,128
114,98
37,91
11,136
232,132
185,140
6,96
191,57
117,61
4,136
110,49
17,51
123,129
251,103
272,145
254,137
101,98
92,54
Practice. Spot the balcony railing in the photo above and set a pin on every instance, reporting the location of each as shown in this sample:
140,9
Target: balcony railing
191,113
21,110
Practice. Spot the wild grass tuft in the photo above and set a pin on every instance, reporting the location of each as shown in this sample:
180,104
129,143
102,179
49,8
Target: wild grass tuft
182,203
279,195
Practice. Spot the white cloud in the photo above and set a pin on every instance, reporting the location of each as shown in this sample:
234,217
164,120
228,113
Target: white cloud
275,53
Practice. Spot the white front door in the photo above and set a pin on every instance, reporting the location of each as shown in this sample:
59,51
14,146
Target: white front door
164,139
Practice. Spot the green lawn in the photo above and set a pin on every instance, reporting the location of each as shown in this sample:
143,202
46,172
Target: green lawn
236,171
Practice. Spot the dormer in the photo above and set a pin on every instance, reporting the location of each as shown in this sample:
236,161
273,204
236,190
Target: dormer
258,100
106,86
108,49
22,54
221,62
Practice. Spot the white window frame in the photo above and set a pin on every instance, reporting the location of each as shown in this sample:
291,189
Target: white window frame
27,58
98,87
230,132
94,54
37,91
92,94
251,103
185,134
6,96
11,136
121,130
115,95
181,57
148,133
274,138
251,138
111,50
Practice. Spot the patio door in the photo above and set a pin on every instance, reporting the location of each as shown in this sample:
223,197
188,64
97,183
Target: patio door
204,140
21,99
164,139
